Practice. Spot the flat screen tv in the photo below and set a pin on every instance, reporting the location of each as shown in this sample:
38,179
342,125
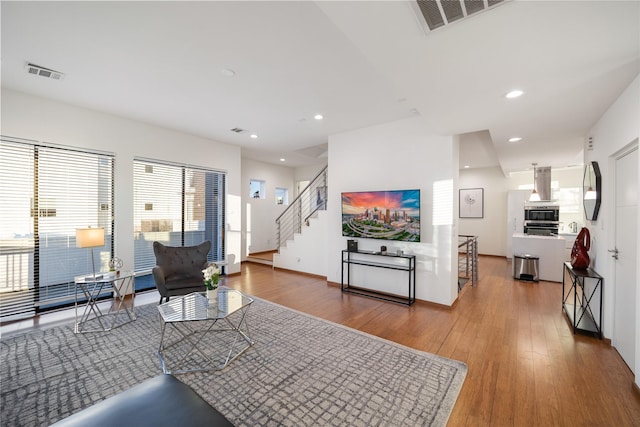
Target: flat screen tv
386,215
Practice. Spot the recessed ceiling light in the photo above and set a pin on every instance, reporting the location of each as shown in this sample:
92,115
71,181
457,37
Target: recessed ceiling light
253,136
318,117
466,166
227,72
515,139
514,94
283,159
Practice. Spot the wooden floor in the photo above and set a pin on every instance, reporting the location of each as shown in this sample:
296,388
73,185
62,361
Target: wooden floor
526,368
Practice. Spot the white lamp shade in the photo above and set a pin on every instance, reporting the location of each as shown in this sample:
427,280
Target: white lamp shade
535,197
89,237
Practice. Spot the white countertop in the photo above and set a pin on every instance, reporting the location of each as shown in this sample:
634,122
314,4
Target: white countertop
533,236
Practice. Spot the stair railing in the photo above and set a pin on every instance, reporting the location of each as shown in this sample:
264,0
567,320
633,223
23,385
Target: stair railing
467,259
310,200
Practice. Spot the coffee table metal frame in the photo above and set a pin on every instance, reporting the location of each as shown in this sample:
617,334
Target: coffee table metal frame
87,309
192,317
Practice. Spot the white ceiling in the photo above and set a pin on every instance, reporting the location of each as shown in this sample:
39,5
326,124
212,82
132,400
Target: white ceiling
358,63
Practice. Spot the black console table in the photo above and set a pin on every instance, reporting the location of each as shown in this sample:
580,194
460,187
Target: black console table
405,263
584,291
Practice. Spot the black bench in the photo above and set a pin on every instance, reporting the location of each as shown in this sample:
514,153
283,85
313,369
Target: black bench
160,401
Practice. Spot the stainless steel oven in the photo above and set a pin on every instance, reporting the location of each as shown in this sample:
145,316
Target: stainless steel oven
541,219
541,228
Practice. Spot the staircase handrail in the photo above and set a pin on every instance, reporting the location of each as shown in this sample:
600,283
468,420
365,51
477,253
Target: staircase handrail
292,204
290,221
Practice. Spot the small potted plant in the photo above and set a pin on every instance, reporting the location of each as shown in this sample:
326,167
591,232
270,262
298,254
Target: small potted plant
211,279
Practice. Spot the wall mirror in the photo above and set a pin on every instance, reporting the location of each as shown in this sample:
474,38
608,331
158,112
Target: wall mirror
592,190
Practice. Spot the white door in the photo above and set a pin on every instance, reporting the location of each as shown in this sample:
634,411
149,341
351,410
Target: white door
624,322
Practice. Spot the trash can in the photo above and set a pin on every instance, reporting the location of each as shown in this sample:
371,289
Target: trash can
525,267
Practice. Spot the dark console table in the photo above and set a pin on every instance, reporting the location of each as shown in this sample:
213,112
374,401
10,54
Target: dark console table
405,263
579,299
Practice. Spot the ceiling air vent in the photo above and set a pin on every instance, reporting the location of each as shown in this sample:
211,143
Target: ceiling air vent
238,130
439,13
37,70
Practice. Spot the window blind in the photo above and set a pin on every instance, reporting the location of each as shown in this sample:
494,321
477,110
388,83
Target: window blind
176,205
47,193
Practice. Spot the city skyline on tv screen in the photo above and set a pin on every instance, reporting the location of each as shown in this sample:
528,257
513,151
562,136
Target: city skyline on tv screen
387,215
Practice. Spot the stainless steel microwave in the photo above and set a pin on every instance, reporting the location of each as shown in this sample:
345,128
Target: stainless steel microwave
542,213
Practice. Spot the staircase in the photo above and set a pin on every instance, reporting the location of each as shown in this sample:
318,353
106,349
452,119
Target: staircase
301,230
265,258
308,203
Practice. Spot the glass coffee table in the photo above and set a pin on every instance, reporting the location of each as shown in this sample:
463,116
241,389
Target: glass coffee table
199,334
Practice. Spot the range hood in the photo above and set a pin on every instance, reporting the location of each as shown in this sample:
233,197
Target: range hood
542,179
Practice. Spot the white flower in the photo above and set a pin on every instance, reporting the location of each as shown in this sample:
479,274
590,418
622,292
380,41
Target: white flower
211,276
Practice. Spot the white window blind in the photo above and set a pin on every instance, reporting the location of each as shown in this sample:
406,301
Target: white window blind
47,193
177,206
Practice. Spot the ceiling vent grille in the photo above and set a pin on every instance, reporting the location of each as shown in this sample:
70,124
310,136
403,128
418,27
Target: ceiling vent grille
238,130
37,70
439,13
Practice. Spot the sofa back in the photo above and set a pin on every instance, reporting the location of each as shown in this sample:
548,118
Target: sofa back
182,261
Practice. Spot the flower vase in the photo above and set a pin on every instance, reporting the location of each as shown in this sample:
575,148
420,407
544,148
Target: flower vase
212,295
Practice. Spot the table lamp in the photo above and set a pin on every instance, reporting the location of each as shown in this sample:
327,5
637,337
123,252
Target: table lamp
90,238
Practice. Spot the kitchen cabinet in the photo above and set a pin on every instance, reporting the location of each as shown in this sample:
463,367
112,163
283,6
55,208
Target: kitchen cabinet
515,216
569,240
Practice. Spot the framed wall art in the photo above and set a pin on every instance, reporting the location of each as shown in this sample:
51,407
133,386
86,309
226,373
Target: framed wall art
471,203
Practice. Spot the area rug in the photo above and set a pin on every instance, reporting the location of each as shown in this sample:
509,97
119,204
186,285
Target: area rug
301,371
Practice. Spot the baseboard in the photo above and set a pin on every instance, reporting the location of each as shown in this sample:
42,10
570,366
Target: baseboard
437,304
316,276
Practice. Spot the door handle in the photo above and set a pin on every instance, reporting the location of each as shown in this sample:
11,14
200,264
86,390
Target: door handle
615,253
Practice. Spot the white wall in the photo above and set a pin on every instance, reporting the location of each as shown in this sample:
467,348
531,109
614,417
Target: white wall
307,251
259,215
400,155
29,117
491,230
617,128
307,173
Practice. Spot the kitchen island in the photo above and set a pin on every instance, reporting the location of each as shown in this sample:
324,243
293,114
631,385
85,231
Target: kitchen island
549,249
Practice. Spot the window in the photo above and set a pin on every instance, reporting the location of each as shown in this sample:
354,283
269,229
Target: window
256,190
47,193
282,196
177,206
